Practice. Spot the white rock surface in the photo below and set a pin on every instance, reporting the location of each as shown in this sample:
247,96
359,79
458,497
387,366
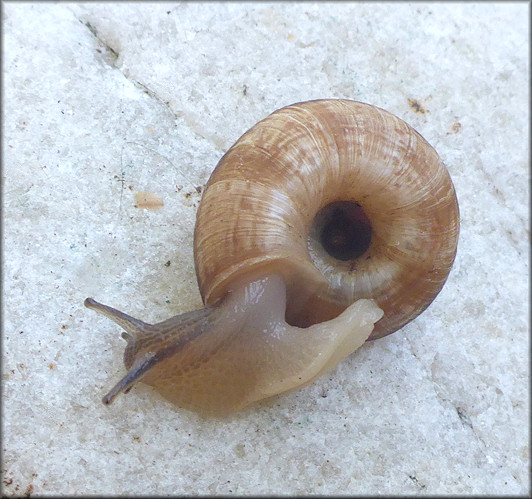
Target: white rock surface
104,100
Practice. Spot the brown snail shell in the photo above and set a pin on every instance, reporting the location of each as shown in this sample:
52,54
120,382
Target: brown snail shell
261,200
328,223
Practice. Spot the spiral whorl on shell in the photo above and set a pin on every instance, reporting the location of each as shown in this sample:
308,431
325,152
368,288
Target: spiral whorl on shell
259,206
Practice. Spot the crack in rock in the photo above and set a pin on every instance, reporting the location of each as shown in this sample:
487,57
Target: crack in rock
111,55
464,417
111,58
151,93
448,400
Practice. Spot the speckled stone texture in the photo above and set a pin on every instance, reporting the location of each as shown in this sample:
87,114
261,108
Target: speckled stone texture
102,101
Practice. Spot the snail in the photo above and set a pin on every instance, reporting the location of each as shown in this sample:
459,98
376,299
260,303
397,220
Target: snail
329,223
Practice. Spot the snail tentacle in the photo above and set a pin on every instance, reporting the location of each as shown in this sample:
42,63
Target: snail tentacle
134,327
141,366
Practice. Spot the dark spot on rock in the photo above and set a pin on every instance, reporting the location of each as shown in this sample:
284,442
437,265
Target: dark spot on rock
416,106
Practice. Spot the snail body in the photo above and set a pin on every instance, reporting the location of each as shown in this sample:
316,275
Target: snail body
328,223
